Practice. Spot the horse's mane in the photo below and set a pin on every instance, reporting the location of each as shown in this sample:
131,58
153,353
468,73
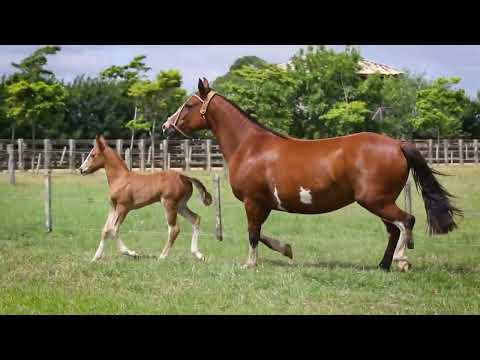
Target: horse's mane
252,119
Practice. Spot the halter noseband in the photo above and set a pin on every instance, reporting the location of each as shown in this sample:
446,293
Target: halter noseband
203,110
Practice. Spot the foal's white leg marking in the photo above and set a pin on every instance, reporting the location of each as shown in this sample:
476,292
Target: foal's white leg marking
195,221
168,245
194,246
279,203
305,196
105,233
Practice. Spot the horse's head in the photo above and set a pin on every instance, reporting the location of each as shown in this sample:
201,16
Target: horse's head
191,115
96,158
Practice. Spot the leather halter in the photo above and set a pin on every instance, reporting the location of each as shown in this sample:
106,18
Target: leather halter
203,110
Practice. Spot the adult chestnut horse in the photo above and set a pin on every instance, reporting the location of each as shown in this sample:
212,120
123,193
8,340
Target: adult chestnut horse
269,171
130,191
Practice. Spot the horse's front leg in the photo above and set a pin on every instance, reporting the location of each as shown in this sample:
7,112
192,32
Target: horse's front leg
105,234
256,216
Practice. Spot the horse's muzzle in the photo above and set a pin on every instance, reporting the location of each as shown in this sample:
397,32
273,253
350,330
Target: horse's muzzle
169,132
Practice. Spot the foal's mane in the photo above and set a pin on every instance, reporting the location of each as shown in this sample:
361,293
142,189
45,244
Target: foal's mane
254,121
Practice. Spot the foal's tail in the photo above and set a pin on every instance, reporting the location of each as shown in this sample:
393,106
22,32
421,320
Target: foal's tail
438,205
204,194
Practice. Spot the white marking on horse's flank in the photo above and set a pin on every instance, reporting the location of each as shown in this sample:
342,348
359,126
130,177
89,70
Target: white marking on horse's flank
279,205
305,196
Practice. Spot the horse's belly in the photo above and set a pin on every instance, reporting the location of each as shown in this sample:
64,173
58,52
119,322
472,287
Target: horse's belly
313,201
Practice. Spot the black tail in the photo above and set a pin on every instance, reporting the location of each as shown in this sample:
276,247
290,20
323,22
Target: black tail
204,194
438,205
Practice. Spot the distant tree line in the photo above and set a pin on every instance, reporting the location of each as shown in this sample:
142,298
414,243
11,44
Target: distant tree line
319,94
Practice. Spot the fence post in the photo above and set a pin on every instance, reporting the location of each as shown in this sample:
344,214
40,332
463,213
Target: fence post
128,159
47,148
166,160
451,157
466,152
141,146
475,151
21,165
149,158
11,163
63,155
71,155
218,208
209,154
445,150
437,153
460,150
186,149
119,146
39,161
430,150
408,205
225,168
47,154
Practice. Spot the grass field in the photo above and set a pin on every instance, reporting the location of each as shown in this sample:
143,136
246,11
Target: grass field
334,269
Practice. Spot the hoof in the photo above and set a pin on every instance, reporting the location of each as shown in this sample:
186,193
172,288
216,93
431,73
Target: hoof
288,251
404,266
199,255
384,267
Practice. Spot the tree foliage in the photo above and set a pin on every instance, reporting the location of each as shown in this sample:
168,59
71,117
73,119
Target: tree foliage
439,109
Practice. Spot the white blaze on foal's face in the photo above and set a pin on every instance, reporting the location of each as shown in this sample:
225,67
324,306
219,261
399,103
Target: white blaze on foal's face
305,196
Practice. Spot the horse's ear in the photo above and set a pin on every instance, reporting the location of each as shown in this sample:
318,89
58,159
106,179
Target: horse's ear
100,142
206,84
203,87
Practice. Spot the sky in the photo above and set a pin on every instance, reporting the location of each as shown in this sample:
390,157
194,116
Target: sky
210,61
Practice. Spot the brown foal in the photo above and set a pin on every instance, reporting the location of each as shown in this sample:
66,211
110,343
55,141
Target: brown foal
130,191
269,171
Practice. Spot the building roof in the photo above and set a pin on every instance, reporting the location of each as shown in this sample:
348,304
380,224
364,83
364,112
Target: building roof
368,67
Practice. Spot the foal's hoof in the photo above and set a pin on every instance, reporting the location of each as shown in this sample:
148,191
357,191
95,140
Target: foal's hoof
248,266
404,266
199,255
288,251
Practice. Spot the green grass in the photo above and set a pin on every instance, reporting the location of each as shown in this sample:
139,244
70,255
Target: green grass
334,270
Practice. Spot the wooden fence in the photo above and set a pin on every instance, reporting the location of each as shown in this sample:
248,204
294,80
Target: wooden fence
187,154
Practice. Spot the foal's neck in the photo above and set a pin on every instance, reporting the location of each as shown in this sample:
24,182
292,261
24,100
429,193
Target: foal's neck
229,125
115,167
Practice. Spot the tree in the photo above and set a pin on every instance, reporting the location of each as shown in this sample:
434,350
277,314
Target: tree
33,94
345,118
439,109
262,92
96,106
471,117
322,78
231,77
157,99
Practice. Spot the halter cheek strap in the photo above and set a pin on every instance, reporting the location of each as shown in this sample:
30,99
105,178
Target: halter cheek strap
203,110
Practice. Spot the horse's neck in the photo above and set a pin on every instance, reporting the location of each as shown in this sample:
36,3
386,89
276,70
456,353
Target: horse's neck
230,126
115,168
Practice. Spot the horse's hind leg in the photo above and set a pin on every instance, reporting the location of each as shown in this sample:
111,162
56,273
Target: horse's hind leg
404,222
173,228
194,219
394,234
